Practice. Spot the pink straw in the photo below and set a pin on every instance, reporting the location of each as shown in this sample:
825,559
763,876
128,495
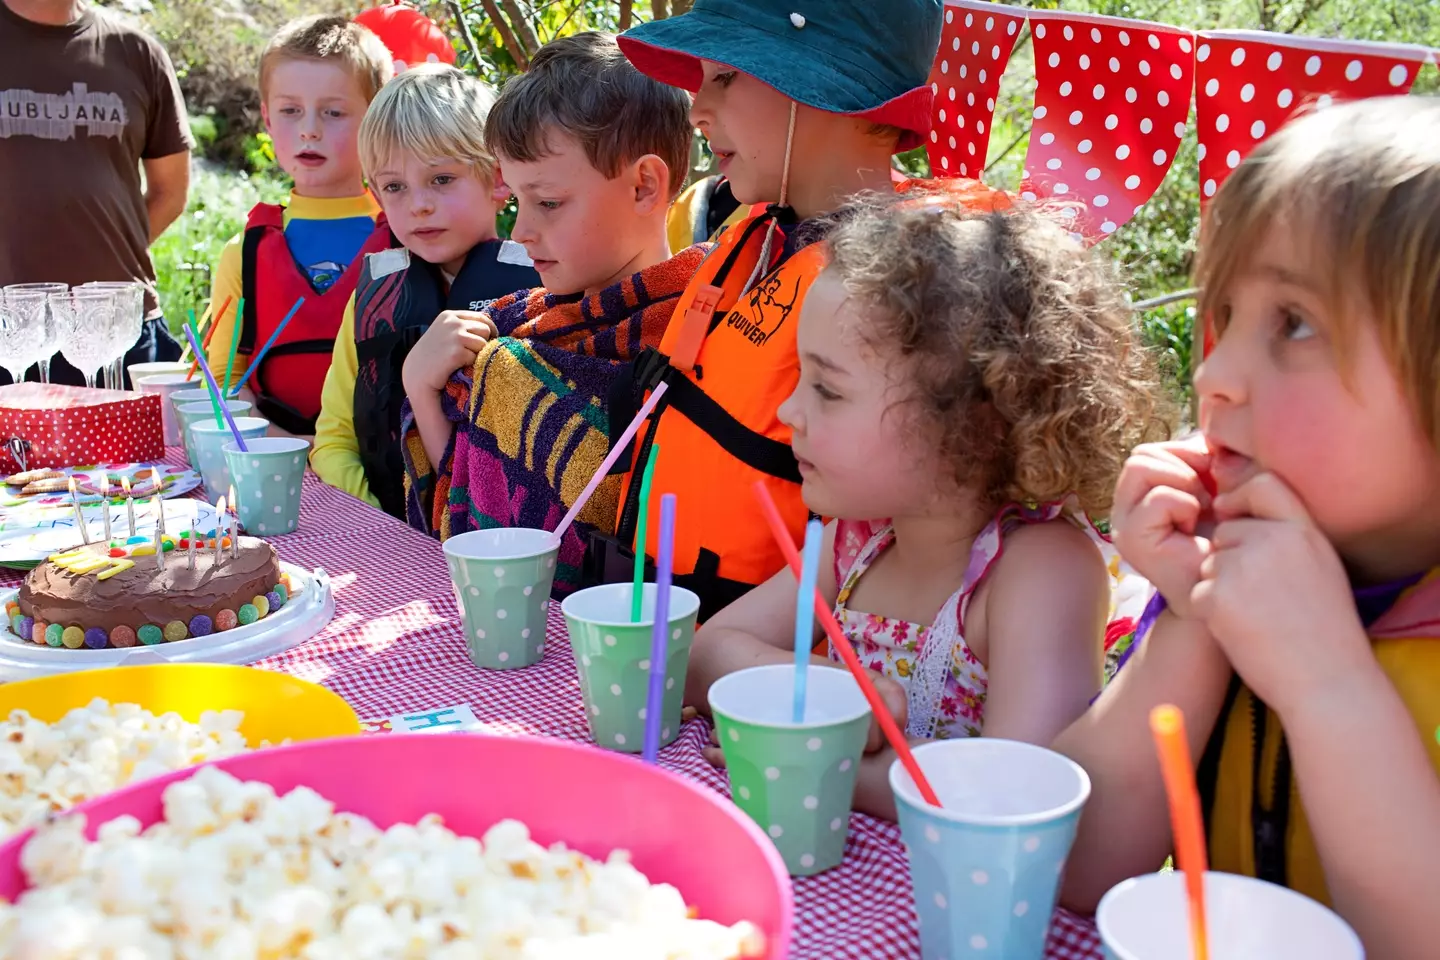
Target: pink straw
609,460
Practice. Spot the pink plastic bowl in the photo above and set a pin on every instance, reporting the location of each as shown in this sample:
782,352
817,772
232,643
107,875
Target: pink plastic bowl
594,801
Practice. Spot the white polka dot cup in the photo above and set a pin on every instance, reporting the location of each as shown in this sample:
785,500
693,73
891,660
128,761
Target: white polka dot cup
267,479
166,385
192,412
986,866
613,657
210,438
502,581
796,780
1148,918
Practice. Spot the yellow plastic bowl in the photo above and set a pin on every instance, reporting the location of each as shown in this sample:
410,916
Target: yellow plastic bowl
277,707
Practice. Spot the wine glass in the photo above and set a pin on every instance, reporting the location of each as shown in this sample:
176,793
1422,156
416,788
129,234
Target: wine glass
31,292
125,328
84,318
22,333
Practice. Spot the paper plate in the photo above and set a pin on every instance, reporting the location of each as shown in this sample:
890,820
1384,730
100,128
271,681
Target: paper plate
174,482
29,536
594,801
309,609
277,706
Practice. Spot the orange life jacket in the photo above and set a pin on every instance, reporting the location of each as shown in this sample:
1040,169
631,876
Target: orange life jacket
730,361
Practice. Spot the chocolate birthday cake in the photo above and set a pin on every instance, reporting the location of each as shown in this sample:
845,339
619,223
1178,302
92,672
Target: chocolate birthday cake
120,594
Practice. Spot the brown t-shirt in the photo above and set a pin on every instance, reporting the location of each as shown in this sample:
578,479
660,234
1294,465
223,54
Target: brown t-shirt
80,106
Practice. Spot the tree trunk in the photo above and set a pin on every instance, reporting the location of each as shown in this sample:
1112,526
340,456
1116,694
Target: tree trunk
659,9
524,32
465,34
627,13
507,36
678,7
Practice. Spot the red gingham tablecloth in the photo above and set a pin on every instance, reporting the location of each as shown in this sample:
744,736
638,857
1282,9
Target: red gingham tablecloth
395,646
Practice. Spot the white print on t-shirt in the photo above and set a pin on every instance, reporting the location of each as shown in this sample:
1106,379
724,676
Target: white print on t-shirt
55,116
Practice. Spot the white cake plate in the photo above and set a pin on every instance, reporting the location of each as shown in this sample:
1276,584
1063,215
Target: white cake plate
305,614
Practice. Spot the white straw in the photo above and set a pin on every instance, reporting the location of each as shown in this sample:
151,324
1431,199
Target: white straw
609,460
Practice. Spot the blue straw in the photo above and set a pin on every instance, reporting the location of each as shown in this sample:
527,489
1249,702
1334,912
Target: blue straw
215,388
660,632
255,364
805,613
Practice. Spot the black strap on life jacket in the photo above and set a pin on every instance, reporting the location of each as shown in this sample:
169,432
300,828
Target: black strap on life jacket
249,261
278,411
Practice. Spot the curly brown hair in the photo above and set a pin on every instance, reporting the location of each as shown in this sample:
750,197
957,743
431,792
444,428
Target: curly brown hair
1017,343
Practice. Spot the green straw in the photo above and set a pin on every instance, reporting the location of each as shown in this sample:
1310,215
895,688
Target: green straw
213,401
234,343
637,592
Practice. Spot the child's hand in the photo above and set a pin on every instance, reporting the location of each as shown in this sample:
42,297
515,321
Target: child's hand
1162,508
894,696
1276,599
450,344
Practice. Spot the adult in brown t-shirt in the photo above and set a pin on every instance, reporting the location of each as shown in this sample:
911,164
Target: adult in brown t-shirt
85,100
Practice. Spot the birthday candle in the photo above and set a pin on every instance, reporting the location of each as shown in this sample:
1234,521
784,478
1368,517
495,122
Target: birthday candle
219,527
234,525
129,503
105,505
159,551
79,514
159,514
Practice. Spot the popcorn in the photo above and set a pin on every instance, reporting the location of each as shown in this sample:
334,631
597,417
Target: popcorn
93,750
235,871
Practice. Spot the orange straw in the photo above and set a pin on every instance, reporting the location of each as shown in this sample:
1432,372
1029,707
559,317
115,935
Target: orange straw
888,726
1167,723
209,334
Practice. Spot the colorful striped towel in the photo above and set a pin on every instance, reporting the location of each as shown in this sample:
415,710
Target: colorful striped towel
531,425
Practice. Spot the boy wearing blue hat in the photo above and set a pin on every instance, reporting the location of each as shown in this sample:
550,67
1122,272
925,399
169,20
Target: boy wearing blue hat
803,102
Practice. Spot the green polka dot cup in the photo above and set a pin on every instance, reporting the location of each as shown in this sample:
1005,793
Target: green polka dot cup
796,780
192,412
267,482
210,439
502,581
613,657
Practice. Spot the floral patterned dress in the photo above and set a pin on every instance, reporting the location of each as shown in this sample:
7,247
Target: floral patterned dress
898,648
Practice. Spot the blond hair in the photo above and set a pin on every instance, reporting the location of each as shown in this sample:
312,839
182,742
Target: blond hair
1017,344
334,39
433,111
1359,185
583,86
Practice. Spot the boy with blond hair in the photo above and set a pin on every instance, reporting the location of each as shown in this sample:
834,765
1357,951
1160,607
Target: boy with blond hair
595,152
422,147
317,77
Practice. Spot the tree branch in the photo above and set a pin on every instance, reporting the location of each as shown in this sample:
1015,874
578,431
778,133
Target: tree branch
465,33
659,9
627,13
1305,11
524,32
507,36
678,7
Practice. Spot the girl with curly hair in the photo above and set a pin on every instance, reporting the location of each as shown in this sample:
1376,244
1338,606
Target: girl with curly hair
970,385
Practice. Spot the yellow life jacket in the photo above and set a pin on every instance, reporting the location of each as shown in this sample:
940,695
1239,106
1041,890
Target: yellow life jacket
1267,836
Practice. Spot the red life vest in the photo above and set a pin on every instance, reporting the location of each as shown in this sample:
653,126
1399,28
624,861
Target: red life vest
287,386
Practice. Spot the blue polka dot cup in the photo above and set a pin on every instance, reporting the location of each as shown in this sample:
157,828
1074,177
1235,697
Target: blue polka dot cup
796,780
986,865
209,439
191,412
1148,918
613,657
267,479
502,579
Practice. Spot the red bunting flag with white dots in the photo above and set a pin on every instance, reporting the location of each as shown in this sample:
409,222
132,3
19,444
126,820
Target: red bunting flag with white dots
975,44
1248,84
1111,103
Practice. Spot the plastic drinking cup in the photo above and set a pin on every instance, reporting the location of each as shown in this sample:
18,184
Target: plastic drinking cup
502,579
267,482
986,865
796,780
613,657
166,385
1148,918
187,414
210,439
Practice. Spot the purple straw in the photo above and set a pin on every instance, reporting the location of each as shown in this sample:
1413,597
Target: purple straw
659,634
215,389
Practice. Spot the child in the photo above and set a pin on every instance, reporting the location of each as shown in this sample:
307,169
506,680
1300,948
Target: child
975,381
1305,518
422,144
317,76
805,115
594,152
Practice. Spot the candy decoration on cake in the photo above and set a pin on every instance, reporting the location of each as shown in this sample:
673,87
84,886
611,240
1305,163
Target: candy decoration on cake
975,44
410,36
1111,101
